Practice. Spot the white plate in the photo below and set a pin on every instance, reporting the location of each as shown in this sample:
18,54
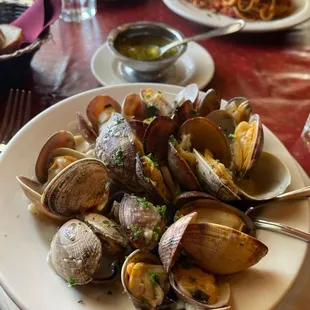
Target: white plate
194,66
24,240
205,17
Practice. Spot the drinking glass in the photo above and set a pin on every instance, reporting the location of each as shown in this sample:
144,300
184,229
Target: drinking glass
78,10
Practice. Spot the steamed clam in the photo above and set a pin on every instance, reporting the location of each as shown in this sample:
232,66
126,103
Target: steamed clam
143,222
78,247
144,280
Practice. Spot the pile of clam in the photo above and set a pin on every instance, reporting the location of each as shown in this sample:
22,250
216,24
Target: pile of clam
154,179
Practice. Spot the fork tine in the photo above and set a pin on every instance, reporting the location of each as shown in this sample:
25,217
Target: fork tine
27,111
7,114
19,119
12,118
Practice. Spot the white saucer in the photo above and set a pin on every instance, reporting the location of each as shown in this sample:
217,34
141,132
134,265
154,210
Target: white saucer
194,66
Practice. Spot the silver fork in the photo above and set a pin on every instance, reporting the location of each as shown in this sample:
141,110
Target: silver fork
17,113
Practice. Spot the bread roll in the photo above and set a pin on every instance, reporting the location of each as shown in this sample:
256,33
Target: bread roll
11,37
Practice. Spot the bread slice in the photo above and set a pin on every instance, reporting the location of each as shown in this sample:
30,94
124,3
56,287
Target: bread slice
13,38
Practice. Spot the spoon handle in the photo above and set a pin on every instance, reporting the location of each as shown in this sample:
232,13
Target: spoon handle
283,229
296,194
210,34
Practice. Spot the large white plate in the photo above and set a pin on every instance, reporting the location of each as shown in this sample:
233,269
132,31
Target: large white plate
204,17
24,239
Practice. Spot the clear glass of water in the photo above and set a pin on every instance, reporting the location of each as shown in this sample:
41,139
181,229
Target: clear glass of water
78,10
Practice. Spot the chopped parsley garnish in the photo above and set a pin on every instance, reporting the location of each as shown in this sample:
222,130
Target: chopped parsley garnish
191,278
119,158
136,232
156,233
71,282
106,222
194,113
144,302
160,92
173,141
153,159
80,301
231,136
147,179
209,14
143,202
119,121
147,96
154,278
177,217
109,292
87,223
135,268
162,210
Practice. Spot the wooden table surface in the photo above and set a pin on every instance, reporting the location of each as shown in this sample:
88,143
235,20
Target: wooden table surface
271,70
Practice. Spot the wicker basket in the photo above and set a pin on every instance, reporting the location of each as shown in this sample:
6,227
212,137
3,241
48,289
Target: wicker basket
14,66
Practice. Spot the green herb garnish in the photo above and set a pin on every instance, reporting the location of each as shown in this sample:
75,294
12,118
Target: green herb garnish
162,210
191,278
144,302
194,113
71,282
147,179
177,217
119,158
149,120
231,136
106,222
156,233
143,202
136,232
173,141
154,278
153,159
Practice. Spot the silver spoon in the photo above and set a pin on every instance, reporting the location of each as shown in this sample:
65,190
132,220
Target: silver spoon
292,195
232,28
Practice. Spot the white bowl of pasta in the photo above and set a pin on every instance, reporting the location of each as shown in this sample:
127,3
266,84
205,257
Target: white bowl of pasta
261,15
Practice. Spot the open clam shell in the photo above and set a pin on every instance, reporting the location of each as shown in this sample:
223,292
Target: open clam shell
183,112
212,183
181,170
225,121
141,221
169,248
204,135
214,211
266,180
112,238
248,144
190,92
157,135
221,304
220,249
209,102
100,109
240,108
188,197
77,188
86,130
59,139
75,252
134,108
143,257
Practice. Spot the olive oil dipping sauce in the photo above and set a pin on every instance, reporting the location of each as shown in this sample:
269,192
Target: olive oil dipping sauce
144,47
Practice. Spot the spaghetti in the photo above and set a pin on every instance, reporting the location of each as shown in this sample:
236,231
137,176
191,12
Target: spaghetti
249,10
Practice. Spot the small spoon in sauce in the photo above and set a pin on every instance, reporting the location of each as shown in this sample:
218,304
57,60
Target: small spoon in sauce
232,28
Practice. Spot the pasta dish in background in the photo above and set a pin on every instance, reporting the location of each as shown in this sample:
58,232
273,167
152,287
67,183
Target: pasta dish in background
249,10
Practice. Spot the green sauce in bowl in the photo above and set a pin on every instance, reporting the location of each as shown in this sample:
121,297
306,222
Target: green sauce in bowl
144,48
